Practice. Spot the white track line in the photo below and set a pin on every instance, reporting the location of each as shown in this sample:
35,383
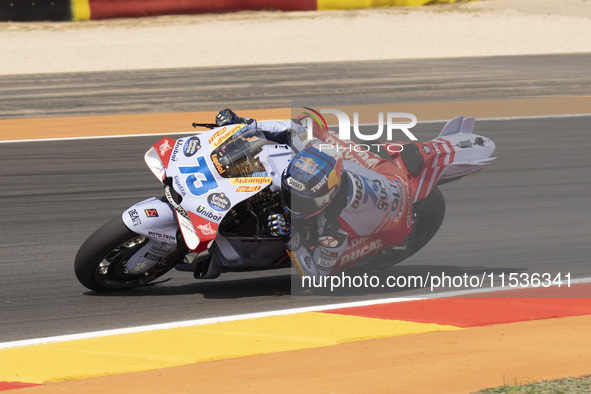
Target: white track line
100,137
197,132
497,118
281,312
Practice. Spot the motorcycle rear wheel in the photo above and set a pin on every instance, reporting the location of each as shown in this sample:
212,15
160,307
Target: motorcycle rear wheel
100,262
429,214
428,217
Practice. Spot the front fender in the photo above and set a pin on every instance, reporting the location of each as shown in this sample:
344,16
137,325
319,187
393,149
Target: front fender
154,219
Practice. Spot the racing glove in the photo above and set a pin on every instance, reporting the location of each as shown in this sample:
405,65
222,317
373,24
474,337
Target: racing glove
226,117
279,226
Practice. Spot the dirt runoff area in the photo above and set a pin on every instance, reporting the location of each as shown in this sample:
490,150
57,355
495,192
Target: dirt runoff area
484,28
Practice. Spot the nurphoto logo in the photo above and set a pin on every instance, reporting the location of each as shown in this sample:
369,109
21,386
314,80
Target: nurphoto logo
345,124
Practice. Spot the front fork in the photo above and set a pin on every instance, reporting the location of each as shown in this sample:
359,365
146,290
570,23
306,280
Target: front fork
155,220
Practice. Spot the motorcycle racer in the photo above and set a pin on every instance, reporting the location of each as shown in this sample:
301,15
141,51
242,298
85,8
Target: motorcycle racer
231,197
337,211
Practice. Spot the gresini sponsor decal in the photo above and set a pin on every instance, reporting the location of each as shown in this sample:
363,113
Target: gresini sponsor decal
151,213
206,213
218,201
216,162
206,229
219,137
164,237
179,187
248,189
216,135
262,180
159,250
188,226
192,146
176,206
164,147
135,217
175,152
152,256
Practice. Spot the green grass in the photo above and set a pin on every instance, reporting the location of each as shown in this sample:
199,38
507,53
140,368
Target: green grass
561,386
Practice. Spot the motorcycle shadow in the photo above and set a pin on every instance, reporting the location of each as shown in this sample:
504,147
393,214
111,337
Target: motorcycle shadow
277,285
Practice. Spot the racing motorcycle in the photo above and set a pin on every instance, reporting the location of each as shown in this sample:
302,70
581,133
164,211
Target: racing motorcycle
220,187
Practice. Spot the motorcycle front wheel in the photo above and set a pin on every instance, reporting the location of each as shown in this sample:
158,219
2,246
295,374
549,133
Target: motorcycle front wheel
100,262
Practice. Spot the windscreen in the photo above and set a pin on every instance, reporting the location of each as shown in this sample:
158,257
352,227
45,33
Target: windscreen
235,157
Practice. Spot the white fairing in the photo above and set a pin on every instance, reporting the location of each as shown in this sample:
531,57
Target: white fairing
155,164
472,152
153,219
275,158
200,171
208,193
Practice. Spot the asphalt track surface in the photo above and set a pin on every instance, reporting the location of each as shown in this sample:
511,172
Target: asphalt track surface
526,212
209,89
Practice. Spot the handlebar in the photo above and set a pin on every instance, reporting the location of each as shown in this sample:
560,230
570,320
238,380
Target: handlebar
207,125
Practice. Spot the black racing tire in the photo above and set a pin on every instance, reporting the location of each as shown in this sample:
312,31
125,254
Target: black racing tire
428,214
100,262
